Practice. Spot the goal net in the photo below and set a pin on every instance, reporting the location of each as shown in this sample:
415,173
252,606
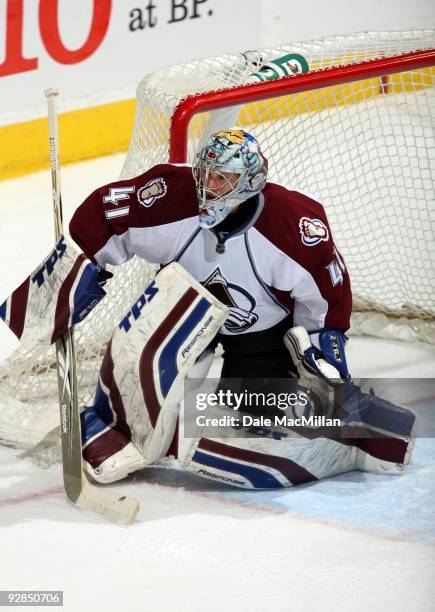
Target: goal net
356,131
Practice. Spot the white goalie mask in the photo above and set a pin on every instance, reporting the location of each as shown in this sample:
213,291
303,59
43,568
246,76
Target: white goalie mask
228,170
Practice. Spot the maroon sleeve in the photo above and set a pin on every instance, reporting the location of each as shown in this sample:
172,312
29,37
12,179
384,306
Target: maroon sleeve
162,195
332,279
298,226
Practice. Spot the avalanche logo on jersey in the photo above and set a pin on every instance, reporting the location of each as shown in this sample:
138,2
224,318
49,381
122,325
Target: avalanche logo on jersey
207,215
149,193
241,316
313,231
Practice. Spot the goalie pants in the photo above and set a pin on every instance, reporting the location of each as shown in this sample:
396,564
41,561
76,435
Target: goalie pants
258,354
254,357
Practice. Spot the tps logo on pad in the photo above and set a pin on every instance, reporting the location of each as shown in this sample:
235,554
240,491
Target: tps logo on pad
136,309
50,263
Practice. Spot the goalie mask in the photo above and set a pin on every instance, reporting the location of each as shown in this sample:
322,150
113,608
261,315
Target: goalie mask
228,170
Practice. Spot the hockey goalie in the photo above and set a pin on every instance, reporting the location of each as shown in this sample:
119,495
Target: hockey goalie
244,263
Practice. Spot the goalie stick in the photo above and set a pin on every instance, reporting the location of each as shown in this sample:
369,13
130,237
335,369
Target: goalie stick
78,489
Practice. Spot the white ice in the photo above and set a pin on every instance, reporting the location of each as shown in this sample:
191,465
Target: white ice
354,542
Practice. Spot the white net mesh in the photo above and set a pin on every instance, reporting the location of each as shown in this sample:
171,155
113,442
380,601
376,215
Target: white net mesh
365,149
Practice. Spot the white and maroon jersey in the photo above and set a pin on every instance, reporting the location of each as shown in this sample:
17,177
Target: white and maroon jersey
282,261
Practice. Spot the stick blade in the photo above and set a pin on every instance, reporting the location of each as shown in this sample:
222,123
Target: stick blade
113,507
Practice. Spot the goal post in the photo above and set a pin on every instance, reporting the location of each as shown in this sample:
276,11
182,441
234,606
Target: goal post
326,77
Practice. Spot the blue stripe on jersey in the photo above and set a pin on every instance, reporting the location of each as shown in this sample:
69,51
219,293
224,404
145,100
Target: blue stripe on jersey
168,369
3,310
258,277
188,243
260,479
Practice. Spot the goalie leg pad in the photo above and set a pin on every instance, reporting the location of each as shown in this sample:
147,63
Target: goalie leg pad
147,359
108,453
118,465
387,435
260,458
375,436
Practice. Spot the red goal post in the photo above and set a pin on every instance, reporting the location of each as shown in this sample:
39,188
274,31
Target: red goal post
243,94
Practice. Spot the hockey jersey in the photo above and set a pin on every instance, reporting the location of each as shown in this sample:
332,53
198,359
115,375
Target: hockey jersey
280,261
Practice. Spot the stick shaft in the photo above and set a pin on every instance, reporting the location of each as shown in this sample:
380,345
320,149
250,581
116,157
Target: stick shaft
113,507
65,352
53,133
